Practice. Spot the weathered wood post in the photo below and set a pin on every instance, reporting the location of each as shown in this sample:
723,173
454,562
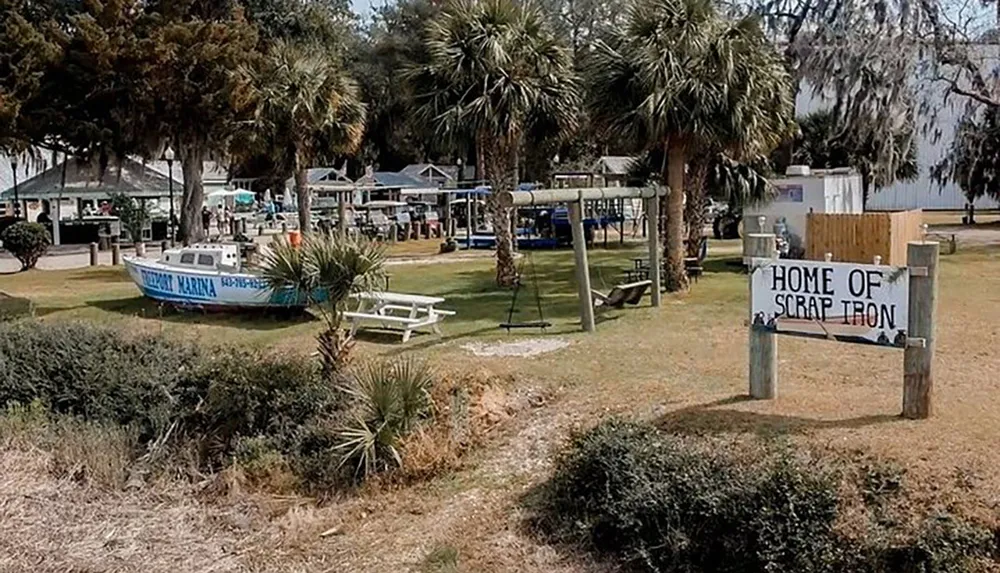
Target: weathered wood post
243,226
763,345
655,267
140,249
260,230
446,230
918,357
163,245
93,254
116,254
284,228
582,269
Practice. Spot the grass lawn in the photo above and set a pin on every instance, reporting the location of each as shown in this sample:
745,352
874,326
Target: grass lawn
107,294
683,366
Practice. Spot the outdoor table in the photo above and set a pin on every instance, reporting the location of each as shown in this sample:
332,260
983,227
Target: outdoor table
409,311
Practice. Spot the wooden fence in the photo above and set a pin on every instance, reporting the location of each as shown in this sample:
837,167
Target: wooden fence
859,238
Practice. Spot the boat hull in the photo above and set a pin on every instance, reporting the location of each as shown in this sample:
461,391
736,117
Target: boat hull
210,289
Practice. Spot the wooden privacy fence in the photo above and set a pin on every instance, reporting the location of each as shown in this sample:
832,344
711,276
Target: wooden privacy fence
860,238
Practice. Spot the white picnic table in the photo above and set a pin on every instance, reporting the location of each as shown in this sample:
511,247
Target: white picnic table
409,311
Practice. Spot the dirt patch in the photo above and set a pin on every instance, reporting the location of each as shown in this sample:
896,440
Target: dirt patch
520,349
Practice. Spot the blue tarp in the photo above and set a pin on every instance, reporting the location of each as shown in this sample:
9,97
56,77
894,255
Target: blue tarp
481,191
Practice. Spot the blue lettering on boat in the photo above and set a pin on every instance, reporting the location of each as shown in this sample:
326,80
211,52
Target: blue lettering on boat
158,281
201,287
242,282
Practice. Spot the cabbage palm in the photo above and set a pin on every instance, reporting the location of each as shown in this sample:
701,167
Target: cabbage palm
494,71
326,270
680,77
304,109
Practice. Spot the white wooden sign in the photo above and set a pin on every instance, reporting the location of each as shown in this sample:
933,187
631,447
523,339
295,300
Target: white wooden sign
842,301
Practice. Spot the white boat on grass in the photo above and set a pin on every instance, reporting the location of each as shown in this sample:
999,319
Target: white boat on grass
207,276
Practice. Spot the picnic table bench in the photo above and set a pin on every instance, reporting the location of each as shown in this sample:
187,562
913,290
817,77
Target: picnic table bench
408,311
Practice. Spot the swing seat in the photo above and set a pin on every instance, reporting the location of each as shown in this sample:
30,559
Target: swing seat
621,295
518,283
537,324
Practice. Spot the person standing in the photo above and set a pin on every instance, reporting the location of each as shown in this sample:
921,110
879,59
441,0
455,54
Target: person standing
206,220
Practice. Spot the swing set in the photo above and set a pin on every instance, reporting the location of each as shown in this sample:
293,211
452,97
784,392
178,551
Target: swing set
576,198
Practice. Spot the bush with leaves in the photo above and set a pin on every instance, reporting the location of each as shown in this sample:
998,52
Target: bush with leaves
272,415
236,394
390,398
27,242
659,502
95,372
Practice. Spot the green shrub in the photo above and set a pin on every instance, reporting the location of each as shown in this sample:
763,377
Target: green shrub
659,502
242,393
263,464
270,415
26,241
390,398
96,373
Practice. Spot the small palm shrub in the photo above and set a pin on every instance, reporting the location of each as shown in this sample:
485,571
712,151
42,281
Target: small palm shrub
326,270
390,398
27,242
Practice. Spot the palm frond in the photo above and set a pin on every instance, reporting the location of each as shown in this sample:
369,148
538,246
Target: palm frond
303,104
285,267
679,70
493,67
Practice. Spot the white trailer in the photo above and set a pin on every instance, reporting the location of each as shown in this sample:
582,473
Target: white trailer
800,192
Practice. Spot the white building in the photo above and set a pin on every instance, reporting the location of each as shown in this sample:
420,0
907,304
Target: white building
923,192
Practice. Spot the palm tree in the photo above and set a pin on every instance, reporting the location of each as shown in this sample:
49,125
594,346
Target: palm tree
304,109
494,71
325,271
679,77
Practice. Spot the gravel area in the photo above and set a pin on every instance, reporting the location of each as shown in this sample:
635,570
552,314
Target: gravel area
521,348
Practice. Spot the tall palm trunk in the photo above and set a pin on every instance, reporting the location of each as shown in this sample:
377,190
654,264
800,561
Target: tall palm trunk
501,171
304,198
866,182
193,198
674,276
694,208
303,195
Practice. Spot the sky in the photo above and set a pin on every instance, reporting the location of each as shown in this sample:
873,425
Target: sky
364,7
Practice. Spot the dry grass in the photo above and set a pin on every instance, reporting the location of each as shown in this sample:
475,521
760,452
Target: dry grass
683,366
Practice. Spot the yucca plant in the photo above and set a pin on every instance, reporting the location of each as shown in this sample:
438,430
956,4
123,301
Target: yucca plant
327,270
391,398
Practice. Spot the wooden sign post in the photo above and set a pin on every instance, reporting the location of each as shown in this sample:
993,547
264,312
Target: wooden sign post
763,346
918,358
886,306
